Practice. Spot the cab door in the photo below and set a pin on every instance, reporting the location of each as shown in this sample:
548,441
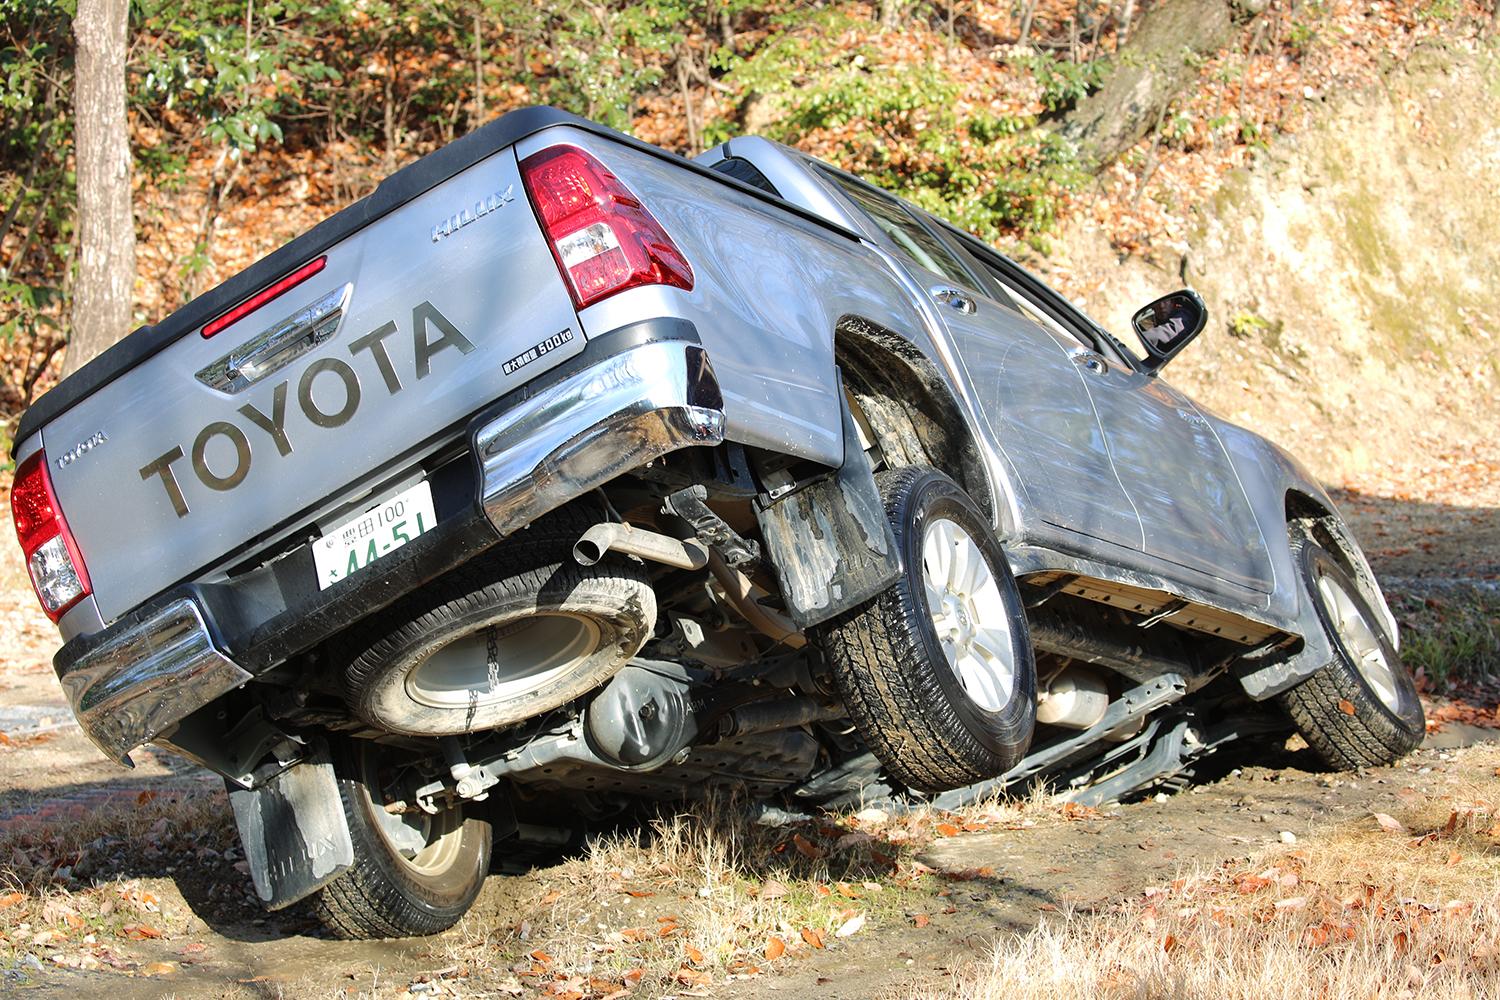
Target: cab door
1193,510
1032,394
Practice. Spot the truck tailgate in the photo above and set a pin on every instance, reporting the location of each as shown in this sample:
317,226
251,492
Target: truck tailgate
415,322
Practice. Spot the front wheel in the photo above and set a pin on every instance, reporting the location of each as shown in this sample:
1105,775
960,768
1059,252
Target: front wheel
1361,709
413,873
937,673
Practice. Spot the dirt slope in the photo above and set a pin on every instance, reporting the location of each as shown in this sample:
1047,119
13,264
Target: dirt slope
1350,278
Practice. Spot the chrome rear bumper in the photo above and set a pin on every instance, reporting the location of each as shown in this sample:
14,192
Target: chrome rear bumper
139,682
580,433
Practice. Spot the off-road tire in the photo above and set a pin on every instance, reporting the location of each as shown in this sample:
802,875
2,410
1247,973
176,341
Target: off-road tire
904,697
382,895
1335,709
530,574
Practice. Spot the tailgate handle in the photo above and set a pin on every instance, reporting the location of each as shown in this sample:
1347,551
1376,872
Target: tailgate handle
279,345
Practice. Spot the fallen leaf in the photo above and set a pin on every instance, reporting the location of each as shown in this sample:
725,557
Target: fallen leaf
775,948
1291,903
551,898
948,829
846,890
1168,943
1346,706
1389,823
772,889
540,957
851,840
807,848
694,955
1454,858
692,977
139,932
921,920
158,969
637,893
851,926
812,937
11,899
635,934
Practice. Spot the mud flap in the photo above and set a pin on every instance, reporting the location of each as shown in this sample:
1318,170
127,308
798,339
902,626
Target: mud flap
294,832
829,543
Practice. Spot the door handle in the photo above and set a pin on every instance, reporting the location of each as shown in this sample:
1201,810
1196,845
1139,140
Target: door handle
1089,361
953,299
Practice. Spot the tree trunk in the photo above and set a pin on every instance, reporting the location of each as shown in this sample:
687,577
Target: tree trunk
106,226
1158,61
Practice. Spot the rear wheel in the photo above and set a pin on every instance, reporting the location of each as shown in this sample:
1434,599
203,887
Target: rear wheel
1361,709
937,672
413,873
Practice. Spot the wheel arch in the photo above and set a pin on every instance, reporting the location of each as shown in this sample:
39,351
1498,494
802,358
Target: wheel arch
1327,527
910,405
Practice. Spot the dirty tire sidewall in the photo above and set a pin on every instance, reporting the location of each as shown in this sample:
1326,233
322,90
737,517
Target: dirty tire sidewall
898,685
530,574
380,895
1373,734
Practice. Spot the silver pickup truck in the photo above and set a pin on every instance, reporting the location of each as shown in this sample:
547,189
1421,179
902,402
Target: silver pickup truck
562,473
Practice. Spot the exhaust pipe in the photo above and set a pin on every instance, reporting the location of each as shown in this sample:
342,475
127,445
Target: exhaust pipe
652,545
688,554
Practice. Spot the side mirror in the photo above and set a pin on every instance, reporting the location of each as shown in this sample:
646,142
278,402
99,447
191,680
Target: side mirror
1166,325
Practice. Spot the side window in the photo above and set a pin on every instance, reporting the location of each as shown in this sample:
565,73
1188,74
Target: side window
907,233
742,169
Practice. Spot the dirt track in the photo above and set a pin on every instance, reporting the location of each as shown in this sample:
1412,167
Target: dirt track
1002,882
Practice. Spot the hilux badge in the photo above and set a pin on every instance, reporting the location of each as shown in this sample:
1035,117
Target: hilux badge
474,213
76,452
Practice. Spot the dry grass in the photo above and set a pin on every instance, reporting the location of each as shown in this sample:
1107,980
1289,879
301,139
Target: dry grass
1370,909
704,896
73,889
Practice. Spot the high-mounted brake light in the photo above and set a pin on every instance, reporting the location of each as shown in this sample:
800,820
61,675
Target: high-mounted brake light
278,287
52,557
603,238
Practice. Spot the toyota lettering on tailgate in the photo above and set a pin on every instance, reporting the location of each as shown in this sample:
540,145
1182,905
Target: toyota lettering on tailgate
431,334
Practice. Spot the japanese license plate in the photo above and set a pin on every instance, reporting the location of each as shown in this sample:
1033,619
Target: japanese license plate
361,540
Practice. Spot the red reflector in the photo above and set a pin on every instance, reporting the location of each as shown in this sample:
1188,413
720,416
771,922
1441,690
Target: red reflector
279,287
52,558
603,238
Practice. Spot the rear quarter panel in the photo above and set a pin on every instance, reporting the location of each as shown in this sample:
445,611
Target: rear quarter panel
770,288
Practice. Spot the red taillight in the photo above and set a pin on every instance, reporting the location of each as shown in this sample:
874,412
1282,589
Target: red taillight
603,238
52,559
280,286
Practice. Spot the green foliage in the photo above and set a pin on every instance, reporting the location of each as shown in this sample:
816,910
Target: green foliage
1450,636
1065,83
901,128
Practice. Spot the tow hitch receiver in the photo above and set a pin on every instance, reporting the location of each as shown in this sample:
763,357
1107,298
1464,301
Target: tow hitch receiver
293,828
